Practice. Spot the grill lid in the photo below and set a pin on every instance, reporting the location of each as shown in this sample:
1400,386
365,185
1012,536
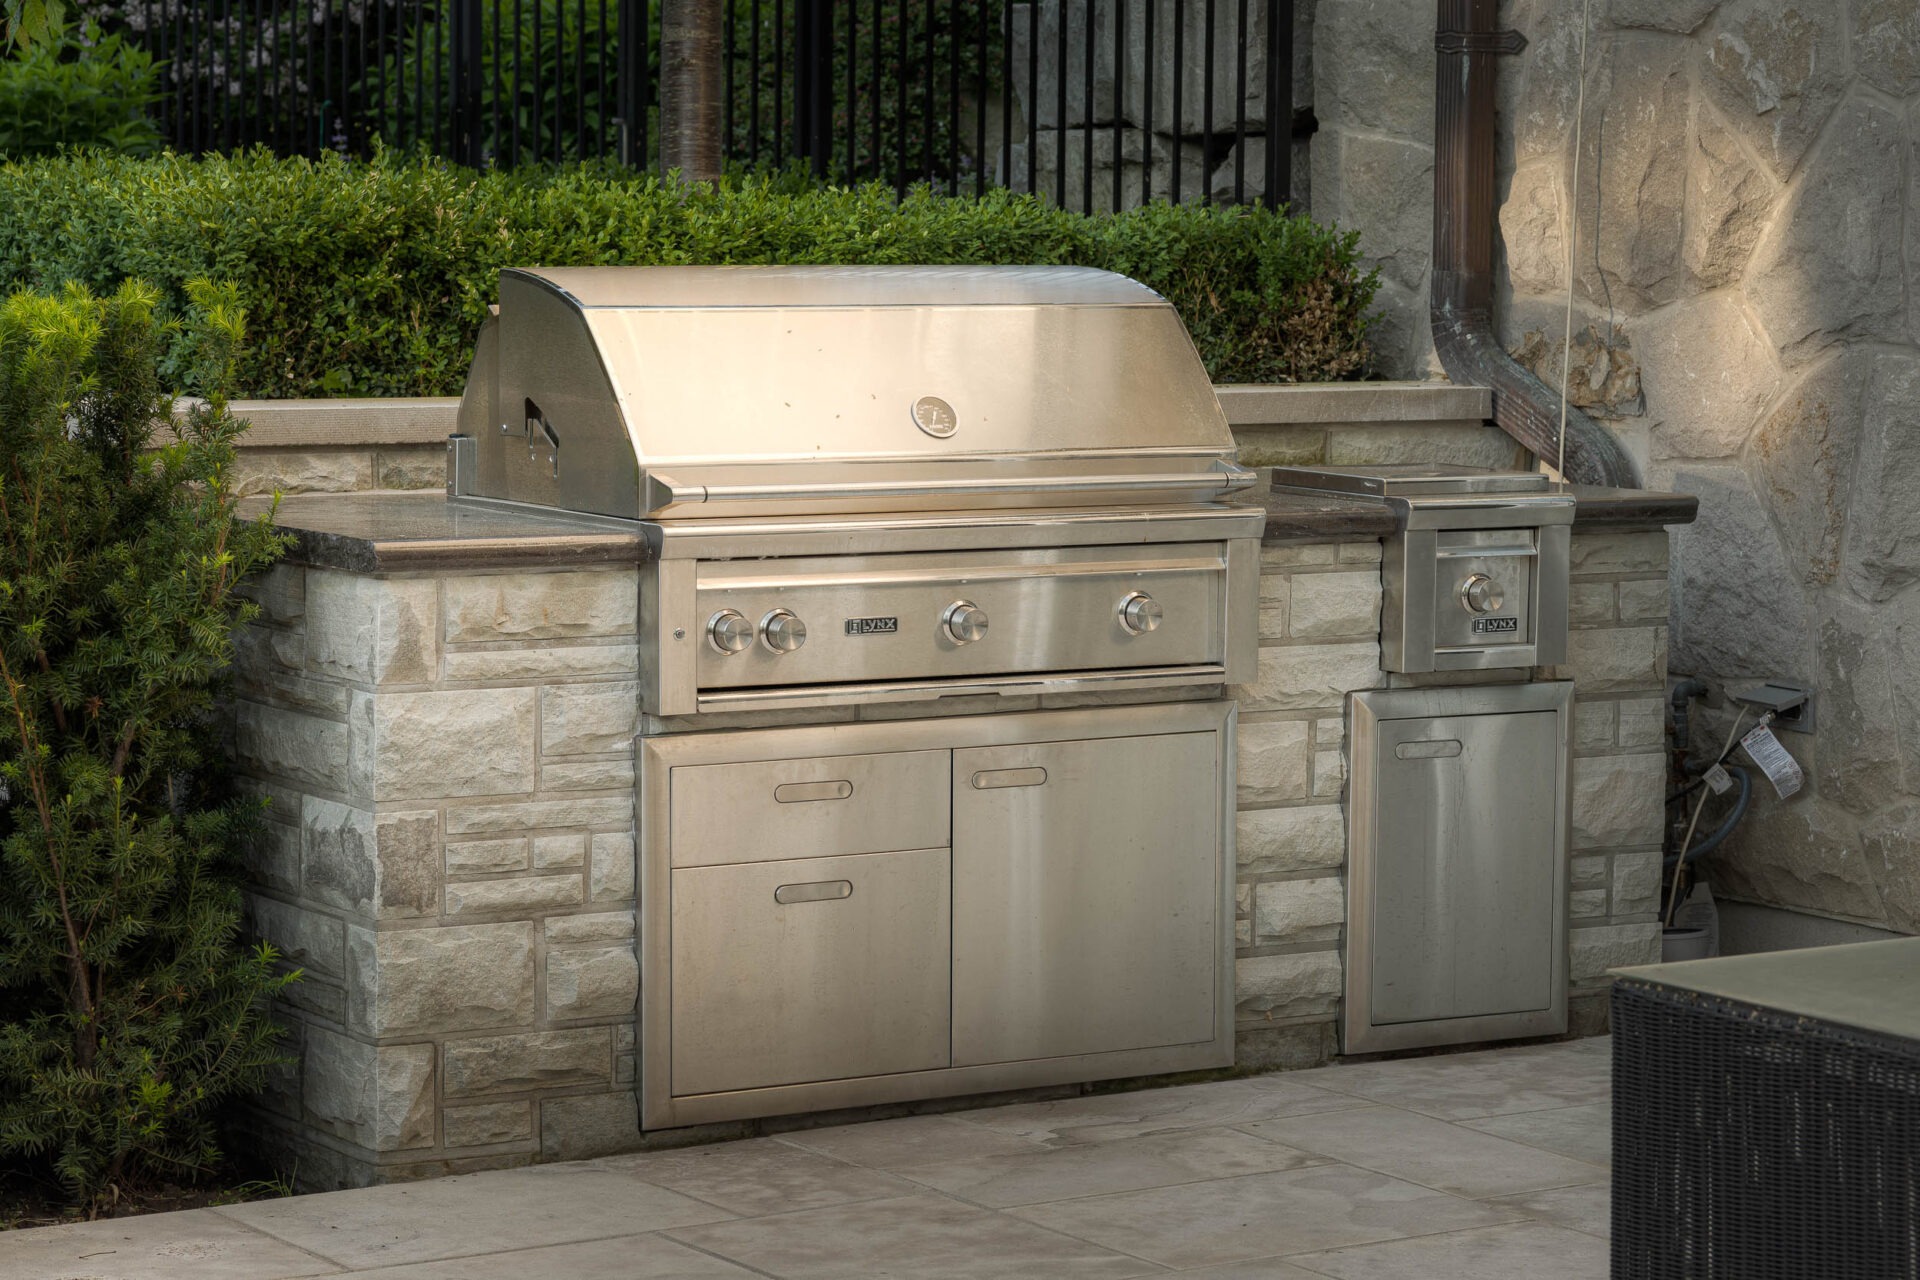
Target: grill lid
722,391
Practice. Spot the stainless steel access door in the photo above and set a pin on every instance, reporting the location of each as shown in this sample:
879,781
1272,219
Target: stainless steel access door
1457,865
1086,893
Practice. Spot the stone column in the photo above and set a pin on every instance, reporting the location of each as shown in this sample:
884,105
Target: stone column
451,861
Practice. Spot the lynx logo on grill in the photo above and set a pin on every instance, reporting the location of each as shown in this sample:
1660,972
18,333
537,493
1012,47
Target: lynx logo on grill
1496,626
872,626
935,417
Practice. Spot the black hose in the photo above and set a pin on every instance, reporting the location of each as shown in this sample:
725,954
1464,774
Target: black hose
1719,835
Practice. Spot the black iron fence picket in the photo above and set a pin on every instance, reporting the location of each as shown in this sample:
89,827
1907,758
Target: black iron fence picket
1096,104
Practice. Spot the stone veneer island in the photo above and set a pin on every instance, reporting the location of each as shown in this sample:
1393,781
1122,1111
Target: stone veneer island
440,704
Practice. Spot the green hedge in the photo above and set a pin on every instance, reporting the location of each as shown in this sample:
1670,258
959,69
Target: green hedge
370,278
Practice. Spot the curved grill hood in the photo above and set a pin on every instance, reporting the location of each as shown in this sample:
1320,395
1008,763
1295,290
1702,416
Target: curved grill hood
673,392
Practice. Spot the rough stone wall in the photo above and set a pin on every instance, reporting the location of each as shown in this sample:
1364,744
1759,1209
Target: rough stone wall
450,859
1319,635
322,468
1747,318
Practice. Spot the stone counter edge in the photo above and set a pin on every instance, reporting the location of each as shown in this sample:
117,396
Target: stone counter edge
1290,518
319,549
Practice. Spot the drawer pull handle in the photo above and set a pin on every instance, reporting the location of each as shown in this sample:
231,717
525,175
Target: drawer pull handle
995,779
1438,749
813,891
802,792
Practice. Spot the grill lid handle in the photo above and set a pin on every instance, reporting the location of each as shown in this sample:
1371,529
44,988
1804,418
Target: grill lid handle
1224,477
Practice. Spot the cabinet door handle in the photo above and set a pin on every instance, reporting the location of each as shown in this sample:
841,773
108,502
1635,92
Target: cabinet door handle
1434,749
802,792
813,891
995,779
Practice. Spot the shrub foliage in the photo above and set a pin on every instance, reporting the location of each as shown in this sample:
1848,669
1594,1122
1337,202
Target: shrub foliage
92,91
127,1004
371,278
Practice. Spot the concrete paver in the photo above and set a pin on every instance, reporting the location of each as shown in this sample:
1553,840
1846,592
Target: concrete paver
1482,1166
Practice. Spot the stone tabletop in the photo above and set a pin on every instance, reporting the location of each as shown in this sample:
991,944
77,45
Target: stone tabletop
1873,986
388,532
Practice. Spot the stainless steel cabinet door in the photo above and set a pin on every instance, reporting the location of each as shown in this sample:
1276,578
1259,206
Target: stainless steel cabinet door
1086,884
1464,909
815,969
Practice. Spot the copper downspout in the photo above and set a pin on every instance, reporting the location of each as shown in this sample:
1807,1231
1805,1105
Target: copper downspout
1463,227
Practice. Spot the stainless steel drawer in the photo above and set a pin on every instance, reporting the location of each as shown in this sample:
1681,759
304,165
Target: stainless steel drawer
764,810
818,969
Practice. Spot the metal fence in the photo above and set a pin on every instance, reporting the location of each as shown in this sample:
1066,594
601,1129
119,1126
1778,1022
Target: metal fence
1094,103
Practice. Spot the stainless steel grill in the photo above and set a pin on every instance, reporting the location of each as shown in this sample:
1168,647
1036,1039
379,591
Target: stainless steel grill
902,485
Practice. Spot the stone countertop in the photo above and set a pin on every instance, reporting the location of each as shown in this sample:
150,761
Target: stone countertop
389,532
1298,516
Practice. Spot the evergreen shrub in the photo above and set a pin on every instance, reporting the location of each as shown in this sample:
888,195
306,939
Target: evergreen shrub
129,1006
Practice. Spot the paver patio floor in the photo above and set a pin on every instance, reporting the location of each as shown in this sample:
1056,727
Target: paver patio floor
1483,1166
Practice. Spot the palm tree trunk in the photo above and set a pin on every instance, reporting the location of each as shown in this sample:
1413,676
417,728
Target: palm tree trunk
690,88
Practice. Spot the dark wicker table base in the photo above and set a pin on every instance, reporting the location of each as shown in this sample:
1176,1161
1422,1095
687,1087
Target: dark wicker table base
1750,1144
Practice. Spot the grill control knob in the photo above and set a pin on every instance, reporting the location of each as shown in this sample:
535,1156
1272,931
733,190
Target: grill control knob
782,632
729,632
1481,594
1139,613
964,622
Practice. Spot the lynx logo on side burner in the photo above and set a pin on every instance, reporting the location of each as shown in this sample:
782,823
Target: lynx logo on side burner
872,626
1496,626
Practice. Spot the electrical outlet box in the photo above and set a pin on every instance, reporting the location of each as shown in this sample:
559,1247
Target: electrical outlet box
1790,701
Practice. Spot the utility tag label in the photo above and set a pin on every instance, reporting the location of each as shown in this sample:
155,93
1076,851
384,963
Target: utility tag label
1782,770
872,626
1718,779
1496,626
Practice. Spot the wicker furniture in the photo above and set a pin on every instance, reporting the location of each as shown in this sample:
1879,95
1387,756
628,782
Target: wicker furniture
1766,1117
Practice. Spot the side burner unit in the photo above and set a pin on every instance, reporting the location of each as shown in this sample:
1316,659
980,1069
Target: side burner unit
936,774
1476,572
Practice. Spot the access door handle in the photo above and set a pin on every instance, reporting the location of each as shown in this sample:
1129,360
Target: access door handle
803,792
813,891
996,779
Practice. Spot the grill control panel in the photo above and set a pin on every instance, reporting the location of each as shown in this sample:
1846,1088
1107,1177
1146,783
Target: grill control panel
781,629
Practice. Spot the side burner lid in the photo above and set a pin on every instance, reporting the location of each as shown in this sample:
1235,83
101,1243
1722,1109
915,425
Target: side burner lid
1410,480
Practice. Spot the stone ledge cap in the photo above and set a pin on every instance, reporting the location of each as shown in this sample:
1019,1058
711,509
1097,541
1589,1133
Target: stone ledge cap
1309,403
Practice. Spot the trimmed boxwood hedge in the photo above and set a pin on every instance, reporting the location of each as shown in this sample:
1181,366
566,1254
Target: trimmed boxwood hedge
370,278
